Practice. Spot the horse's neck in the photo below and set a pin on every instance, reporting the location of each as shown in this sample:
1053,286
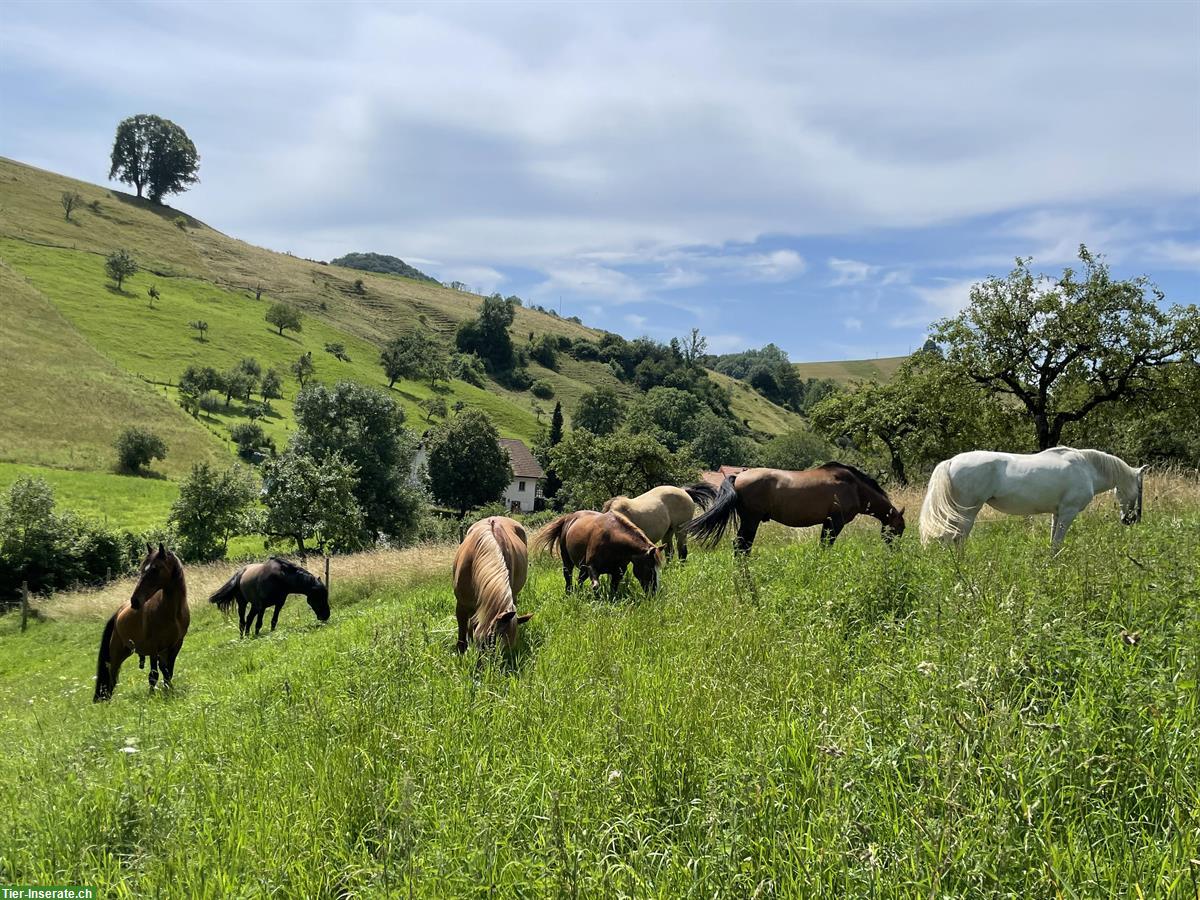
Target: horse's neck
1106,474
174,593
875,503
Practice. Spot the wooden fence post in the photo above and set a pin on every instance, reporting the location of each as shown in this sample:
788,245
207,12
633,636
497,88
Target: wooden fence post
327,572
24,604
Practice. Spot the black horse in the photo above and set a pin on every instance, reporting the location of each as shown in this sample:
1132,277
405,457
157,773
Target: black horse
260,585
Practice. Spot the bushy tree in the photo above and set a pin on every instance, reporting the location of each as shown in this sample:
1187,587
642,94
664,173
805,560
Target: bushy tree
250,439
201,328
594,468
271,387
365,428
154,153
120,265
281,316
671,415
304,368
137,448
312,503
337,350
1063,347
467,465
236,383
797,449
542,388
715,442
544,349
70,200
415,355
433,406
213,505
488,337
600,411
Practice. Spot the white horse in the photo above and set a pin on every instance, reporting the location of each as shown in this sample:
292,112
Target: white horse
1060,480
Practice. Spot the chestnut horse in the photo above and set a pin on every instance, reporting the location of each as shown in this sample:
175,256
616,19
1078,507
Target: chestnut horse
153,623
829,495
662,512
489,572
602,544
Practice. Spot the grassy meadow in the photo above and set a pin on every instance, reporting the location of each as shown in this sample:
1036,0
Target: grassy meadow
863,721
846,370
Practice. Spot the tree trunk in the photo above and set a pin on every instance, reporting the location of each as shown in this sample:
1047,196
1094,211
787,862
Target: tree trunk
1045,438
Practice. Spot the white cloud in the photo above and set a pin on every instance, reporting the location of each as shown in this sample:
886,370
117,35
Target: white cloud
726,343
638,322
849,271
778,265
480,279
945,297
1177,254
852,324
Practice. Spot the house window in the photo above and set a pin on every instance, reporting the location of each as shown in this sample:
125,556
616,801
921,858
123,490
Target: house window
520,487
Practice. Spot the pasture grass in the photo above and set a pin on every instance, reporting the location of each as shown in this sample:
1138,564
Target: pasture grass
847,370
861,721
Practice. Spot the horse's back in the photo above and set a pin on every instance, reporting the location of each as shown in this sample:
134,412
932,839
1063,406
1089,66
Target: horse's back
1019,483
795,498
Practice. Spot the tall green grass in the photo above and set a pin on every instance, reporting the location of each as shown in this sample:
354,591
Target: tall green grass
855,722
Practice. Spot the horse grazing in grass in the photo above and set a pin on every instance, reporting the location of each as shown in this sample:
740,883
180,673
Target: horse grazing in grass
829,495
662,512
1061,481
489,572
153,623
259,585
602,544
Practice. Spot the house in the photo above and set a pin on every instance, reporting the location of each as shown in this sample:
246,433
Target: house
718,477
528,476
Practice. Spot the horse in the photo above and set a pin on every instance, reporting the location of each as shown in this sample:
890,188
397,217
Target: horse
260,585
829,495
152,622
489,572
602,543
1061,481
662,512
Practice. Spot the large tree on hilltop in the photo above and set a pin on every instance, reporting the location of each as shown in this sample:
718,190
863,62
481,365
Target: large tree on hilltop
1065,346
154,154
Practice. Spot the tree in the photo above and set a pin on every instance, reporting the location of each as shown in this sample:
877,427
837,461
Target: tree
311,502
154,153
70,200
304,368
283,316
365,428
433,406
250,439
271,387
200,327
488,334
1064,347
594,468
120,265
152,293
715,442
236,383
671,415
414,355
553,439
600,411
797,449
137,447
467,465
337,350
213,505
693,347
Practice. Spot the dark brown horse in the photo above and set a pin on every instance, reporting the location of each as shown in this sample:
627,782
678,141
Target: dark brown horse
260,585
829,495
489,572
153,623
602,544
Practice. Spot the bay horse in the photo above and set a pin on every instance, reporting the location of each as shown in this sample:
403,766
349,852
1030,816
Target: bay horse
489,571
1061,481
260,585
830,496
152,622
602,543
662,512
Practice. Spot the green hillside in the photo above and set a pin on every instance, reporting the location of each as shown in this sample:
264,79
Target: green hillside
846,370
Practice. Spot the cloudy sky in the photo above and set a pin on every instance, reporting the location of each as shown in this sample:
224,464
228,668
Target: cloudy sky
827,177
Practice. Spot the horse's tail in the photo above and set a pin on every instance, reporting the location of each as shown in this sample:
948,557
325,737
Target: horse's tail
711,524
491,582
941,516
702,494
103,679
224,596
550,538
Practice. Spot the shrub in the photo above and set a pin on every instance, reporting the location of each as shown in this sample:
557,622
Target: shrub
180,222
542,388
251,440
137,447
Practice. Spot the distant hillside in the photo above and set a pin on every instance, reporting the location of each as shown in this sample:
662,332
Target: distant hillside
382,264
847,370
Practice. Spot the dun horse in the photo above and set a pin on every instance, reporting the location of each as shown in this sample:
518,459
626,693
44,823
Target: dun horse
489,572
260,585
602,544
662,512
153,623
829,495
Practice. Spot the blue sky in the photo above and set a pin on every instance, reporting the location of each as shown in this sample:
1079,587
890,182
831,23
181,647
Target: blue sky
827,177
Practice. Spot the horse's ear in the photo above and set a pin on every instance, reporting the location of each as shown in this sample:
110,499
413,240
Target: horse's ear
161,549
523,618
1141,470
149,548
503,617
900,510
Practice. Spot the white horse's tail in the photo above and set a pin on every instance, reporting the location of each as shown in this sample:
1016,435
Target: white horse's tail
941,516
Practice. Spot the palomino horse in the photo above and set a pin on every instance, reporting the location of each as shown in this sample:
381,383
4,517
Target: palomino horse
153,623
260,585
602,544
1060,480
829,495
489,572
662,512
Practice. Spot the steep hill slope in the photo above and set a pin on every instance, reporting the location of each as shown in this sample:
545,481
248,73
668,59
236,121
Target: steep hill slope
847,370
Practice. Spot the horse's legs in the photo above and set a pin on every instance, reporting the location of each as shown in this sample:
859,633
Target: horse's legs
117,654
681,540
278,609
968,522
668,543
168,662
745,536
153,671
832,528
461,646
258,624
1060,522
243,625
614,581
568,571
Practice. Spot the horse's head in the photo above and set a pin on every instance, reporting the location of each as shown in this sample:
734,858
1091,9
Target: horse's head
893,525
1129,496
156,572
504,628
646,566
318,599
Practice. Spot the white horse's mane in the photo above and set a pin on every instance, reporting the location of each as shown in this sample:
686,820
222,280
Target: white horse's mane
1112,468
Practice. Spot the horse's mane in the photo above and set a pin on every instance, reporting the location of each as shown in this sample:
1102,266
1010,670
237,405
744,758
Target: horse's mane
489,577
635,533
1110,466
857,473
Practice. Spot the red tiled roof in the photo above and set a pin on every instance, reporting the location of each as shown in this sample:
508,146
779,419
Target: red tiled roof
523,463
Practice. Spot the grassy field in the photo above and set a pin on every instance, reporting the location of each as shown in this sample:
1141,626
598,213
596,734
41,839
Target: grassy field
847,370
855,722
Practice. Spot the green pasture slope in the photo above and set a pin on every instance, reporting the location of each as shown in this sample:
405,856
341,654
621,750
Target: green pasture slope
847,370
849,723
